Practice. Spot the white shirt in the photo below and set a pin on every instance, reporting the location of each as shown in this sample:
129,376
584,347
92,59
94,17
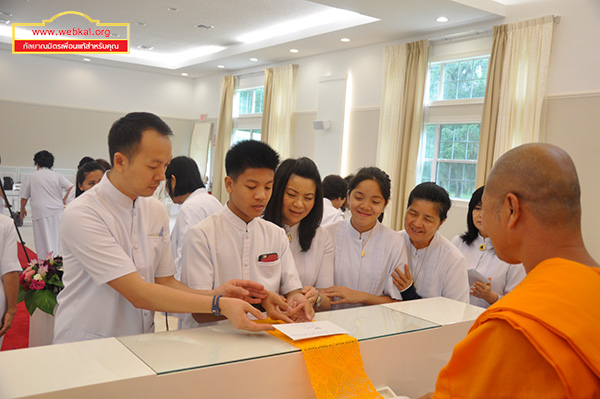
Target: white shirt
330,213
45,188
224,247
439,269
505,276
197,207
9,260
371,273
315,266
105,235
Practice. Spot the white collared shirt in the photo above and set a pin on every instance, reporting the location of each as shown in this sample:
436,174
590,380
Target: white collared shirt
438,269
330,213
480,255
105,235
224,247
197,207
46,190
9,260
315,266
371,273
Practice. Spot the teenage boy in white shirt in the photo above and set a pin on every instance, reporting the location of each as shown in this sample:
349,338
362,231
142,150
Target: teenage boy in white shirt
238,243
118,267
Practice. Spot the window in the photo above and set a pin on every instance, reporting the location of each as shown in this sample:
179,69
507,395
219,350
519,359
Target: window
457,80
248,101
245,134
450,157
452,121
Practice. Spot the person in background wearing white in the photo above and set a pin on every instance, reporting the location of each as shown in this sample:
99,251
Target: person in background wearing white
185,187
117,260
365,251
71,193
88,175
478,250
297,206
335,192
435,267
46,190
9,274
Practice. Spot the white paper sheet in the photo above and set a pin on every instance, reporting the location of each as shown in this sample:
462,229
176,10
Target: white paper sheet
475,276
297,331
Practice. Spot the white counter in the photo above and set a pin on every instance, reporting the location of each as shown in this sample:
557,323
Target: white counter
403,345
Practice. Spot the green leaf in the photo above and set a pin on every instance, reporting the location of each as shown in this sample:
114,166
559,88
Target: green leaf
21,296
29,303
45,300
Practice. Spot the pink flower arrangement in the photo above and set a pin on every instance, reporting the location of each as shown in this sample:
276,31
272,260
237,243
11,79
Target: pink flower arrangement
40,282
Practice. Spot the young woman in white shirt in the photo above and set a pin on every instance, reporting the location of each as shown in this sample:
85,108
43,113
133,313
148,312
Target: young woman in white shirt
88,175
297,205
365,251
479,252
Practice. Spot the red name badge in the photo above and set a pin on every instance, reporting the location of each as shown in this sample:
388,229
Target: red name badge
268,257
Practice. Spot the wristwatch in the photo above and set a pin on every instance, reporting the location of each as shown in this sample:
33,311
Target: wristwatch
216,310
318,302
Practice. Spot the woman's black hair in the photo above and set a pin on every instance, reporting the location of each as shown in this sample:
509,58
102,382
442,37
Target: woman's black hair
373,173
431,192
302,167
472,232
187,176
82,173
44,159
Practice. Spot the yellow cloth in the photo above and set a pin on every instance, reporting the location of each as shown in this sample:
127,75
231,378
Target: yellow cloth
335,366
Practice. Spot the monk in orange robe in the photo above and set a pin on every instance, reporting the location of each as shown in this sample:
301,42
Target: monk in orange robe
542,340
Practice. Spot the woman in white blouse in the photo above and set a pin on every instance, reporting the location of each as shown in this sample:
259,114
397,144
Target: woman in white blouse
478,250
366,251
297,205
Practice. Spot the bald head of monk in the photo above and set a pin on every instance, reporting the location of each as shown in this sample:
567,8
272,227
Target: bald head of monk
532,205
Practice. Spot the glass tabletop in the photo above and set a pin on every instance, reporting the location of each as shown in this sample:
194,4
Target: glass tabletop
221,343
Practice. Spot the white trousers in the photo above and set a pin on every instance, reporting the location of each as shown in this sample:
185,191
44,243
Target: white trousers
45,235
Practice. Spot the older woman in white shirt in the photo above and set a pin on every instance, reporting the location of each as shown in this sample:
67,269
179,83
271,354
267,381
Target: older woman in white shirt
479,252
297,205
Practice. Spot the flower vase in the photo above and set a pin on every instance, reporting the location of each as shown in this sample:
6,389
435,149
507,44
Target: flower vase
41,329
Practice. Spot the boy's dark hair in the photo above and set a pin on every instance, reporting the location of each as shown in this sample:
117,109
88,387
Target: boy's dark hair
303,167
44,159
431,192
125,134
334,187
373,173
187,176
250,154
82,173
472,232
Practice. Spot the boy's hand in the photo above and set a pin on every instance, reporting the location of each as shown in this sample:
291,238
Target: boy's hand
275,306
237,311
301,309
247,290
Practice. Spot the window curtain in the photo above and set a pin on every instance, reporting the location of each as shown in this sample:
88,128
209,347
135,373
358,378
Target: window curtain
516,86
224,129
400,122
278,108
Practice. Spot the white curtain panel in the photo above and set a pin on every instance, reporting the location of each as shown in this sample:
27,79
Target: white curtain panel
224,130
277,127
524,77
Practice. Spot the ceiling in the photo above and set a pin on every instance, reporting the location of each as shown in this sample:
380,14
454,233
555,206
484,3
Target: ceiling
237,30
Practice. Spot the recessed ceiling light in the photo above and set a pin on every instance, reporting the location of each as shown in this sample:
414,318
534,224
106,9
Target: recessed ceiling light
204,26
140,24
184,74
86,59
172,9
344,39
143,47
253,59
442,19
220,66
293,50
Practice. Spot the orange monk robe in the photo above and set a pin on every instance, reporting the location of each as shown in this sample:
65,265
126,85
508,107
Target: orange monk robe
540,341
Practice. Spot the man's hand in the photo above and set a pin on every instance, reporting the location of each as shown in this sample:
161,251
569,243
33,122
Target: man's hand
247,290
7,322
302,309
344,295
402,280
311,294
237,311
276,307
